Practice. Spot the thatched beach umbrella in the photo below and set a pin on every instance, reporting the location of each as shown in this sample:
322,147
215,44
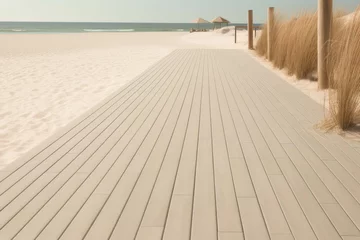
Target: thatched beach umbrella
200,20
220,20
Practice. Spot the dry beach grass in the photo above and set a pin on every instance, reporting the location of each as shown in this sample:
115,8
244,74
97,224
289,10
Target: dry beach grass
295,49
344,74
294,44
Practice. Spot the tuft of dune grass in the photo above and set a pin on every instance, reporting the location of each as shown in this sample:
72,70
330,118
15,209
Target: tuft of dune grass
344,74
261,44
295,44
303,58
282,43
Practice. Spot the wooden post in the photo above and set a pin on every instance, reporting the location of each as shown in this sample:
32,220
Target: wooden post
235,34
250,30
324,29
255,32
270,37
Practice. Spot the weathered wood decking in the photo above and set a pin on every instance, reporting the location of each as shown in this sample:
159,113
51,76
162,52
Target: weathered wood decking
205,145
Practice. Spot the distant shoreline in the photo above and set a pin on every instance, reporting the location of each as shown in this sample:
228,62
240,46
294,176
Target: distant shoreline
81,27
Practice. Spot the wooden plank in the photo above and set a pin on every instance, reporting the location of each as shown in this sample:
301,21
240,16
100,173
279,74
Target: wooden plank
341,220
298,223
117,168
178,224
227,208
252,218
272,142
10,195
288,95
238,119
179,219
351,238
94,136
270,207
347,180
273,215
79,226
122,187
12,228
323,153
321,225
281,237
317,187
150,233
184,183
204,222
259,87
330,181
320,213
255,94
343,196
322,171
262,147
349,165
319,147
231,236
242,180
158,205
230,117
131,216
345,146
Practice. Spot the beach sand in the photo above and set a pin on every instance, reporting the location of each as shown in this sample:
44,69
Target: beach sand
47,80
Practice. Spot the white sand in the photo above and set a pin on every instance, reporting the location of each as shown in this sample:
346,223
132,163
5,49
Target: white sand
47,80
218,39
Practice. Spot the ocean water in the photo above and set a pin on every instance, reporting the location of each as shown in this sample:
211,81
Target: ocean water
69,27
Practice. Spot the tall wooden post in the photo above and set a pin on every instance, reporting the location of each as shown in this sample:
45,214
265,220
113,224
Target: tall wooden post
235,33
250,30
270,37
324,29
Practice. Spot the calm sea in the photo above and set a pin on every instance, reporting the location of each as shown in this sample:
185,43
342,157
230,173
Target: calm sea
52,27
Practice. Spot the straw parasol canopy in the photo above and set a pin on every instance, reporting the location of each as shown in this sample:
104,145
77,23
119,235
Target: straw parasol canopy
220,20
200,20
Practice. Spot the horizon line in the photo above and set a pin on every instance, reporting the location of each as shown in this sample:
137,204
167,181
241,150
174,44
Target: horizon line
107,22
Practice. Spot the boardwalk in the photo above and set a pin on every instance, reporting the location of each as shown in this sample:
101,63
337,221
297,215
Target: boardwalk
205,145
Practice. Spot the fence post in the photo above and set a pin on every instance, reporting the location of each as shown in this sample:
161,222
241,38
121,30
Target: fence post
250,30
270,37
235,34
324,29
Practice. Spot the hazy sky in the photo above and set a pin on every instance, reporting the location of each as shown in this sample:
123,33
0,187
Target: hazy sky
151,10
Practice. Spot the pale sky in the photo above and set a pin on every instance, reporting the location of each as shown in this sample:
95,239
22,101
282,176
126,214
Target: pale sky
152,10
